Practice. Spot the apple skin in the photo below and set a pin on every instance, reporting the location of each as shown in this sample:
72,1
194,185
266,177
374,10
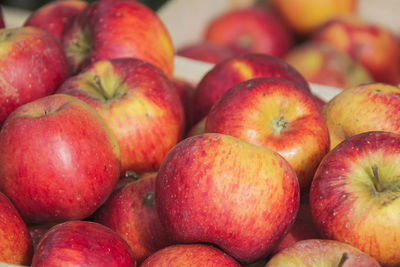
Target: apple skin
250,30
236,69
15,242
322,63
354,196
139,103
305,16
185,91
55,17
231,185
321,252
81,243
278,114
372,45
206,52
119,28
60,161
188,255
130,211
2,24
198,128
368,107
32,65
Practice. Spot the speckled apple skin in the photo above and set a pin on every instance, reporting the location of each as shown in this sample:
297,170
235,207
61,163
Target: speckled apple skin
16,245
345,203
120,28
190,255
248,111
145,114
32,65
215,188
82,243
237,69
60,161
130,211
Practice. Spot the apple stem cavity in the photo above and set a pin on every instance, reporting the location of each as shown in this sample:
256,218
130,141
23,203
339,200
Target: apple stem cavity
148,199
279,125
375,178
107,94
343,259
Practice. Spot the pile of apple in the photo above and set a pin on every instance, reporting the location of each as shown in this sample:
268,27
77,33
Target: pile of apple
107,159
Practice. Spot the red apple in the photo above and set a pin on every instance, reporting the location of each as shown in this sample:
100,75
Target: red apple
79,243
355,196
55,17
218,189
198,128
37,231
251,29
278,114
2,24
320,252
190,255
140,105
130,211
367,107
185,91
237,69
118,28
60,161
322,63
374,46
32,65
15,241
205,51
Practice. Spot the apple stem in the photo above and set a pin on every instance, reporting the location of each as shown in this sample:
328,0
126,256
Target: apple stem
343,259
132,174
148,199
376,178
97,80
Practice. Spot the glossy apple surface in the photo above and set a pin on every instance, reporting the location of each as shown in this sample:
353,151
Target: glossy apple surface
138,102
130,211
217,189
196,255
238,69
321,252
32,65
15,242
80,243
355,196
278,114
119,28
369,107
60,161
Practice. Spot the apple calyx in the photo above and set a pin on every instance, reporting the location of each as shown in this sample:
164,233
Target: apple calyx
148,199
6,34
279,124
343,259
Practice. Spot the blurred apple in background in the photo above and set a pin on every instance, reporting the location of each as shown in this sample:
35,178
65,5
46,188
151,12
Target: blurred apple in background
55,17
278,114
32,65
319,252
191,255
205,51
139,103
374,46
130,211
218,189
198,128
304,16
324,64
80,243
355,195
368,107
252,29
118,28
185,91
2,24
59,159
15,242
237,69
